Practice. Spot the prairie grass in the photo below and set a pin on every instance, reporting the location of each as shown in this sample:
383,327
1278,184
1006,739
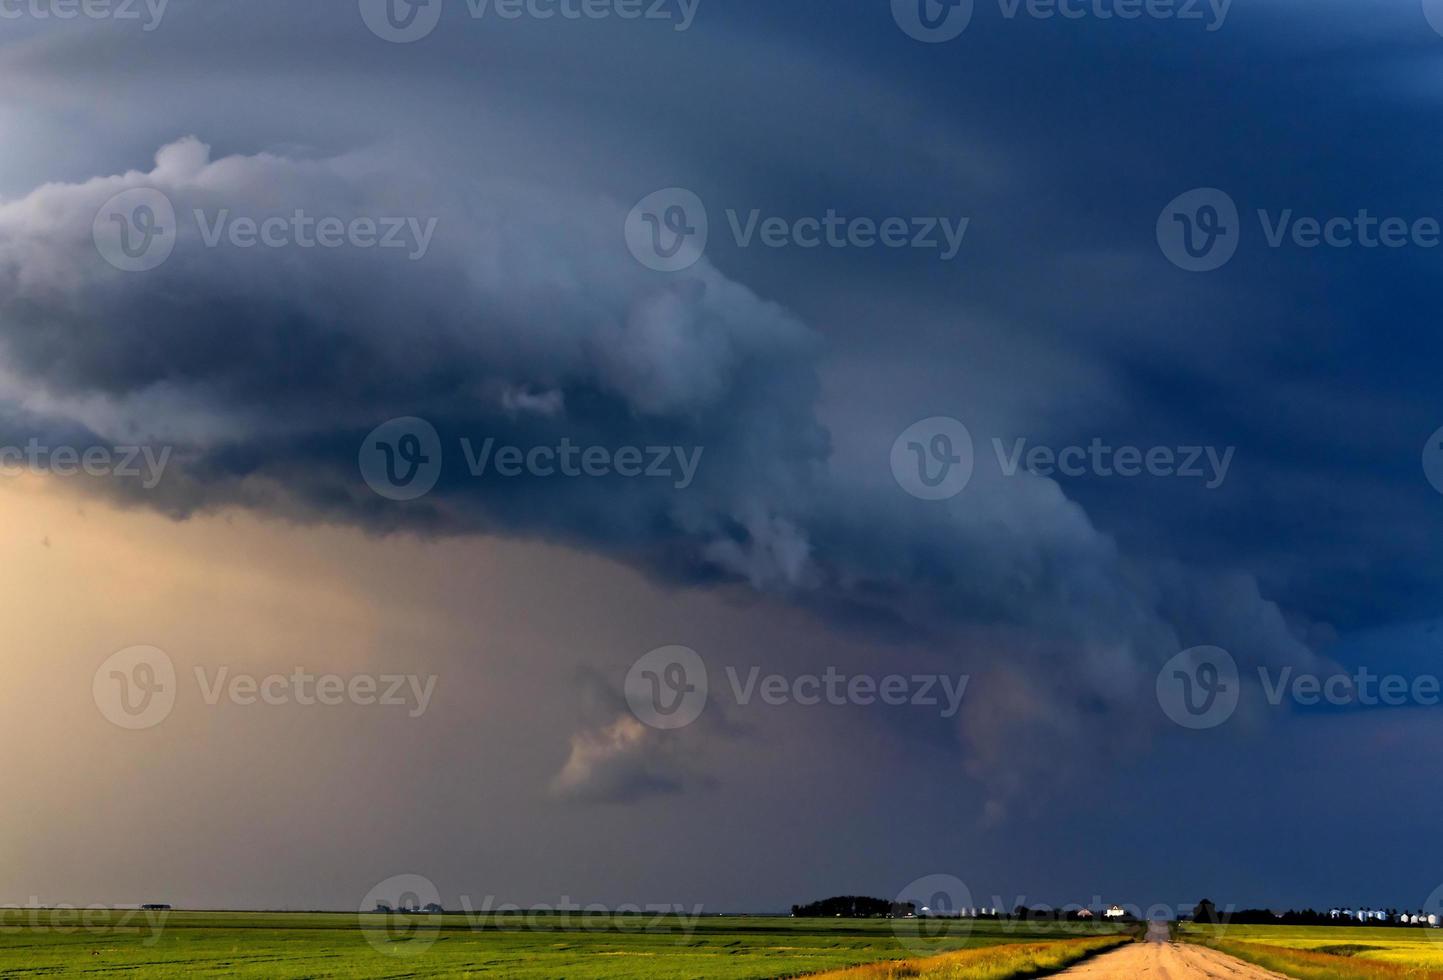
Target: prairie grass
1011,962
282,946
1328,953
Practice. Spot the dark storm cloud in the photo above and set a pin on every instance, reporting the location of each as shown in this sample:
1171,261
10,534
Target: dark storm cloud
528,321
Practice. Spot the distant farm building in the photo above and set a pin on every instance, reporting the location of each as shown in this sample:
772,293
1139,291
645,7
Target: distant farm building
1431,921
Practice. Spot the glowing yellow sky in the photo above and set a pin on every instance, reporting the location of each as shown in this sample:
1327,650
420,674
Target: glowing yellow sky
328,799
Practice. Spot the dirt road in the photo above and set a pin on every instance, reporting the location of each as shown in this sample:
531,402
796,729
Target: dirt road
1158,959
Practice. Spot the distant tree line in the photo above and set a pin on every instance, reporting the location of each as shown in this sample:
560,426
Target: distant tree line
862,907
1207,912
854,907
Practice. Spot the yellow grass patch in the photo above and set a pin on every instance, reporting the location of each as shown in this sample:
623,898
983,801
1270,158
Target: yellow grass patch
989,963
1311,965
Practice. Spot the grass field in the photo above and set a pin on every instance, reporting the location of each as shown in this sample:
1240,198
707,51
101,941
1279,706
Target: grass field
990,963
277,945
1330,952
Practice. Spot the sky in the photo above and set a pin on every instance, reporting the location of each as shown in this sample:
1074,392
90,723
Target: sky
1069,374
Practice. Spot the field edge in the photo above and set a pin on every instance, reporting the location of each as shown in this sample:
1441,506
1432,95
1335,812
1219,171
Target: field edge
1018,961
1304,964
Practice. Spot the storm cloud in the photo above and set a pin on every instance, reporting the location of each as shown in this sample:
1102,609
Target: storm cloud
527,322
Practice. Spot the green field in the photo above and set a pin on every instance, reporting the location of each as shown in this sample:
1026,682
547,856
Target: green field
1330,952
280,945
